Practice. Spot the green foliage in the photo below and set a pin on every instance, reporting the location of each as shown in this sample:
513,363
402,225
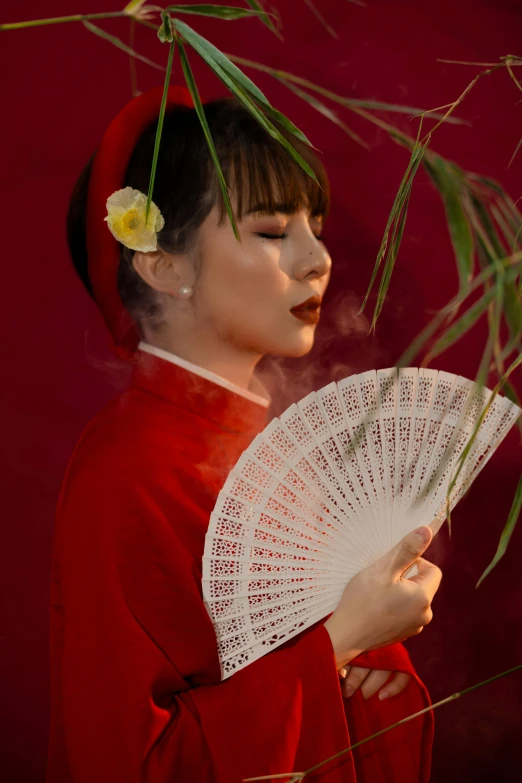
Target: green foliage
393,232
120,44
191,84
506,534
245,91
227,12
165,32
447,183
159,129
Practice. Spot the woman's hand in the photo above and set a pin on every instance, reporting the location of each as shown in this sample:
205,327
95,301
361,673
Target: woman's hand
370,681
378,607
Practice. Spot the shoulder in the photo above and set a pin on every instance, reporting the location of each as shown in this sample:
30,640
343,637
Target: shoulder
137,442
131,477
134,431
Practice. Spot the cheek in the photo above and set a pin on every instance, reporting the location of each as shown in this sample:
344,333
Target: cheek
244,295
245,285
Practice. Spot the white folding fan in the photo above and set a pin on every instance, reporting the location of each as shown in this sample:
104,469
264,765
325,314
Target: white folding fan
328,488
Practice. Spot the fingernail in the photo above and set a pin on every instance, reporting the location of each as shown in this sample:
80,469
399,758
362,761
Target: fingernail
383,695
423,533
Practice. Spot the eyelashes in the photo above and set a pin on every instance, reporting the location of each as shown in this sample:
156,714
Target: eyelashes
281,236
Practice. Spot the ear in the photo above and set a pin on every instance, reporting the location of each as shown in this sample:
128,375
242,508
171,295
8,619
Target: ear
165,272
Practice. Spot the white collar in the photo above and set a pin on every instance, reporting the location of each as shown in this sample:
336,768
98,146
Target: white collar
210,376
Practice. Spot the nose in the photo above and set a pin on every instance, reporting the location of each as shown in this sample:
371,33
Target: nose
312,258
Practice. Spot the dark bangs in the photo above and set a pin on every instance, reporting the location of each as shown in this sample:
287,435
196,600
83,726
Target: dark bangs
258,170
263,175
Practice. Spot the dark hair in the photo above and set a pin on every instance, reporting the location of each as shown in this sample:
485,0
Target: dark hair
256,166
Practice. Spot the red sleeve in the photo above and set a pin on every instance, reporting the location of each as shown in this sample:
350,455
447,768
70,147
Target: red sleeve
137,695
404,753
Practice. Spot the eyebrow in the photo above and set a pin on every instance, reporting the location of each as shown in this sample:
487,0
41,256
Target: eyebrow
283,208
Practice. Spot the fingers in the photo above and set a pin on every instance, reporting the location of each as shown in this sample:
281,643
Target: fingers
374,681
428,577
411,548
353,680
395,686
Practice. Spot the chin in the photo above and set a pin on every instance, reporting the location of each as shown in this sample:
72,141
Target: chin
295,347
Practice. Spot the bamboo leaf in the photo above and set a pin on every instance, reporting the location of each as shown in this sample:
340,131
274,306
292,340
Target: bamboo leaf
159,129
464,323
489,229
325,111
513,316
390,261
485,362
511,394
514,219
210,53
515,152
399,109
460,463
120,44
320,18
493,249
459,228
287,124
265,19
133,6
422,338
507,531
497,210
494,318
165,32
249,104
191,84
227,12
342,99
491,183
396,212
451,308
213,57
397,204
471,316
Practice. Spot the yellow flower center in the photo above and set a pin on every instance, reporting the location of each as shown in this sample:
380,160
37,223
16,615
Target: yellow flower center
133,220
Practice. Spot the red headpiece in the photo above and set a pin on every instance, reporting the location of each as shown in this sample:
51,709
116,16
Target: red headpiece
107,176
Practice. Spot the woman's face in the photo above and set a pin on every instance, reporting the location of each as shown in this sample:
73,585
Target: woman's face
246,290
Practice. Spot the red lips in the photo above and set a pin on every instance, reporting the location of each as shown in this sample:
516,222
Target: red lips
312,303
308,311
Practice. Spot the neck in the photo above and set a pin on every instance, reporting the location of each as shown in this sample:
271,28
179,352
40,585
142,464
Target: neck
213,355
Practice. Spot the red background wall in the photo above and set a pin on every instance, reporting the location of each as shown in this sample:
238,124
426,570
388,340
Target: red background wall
61,87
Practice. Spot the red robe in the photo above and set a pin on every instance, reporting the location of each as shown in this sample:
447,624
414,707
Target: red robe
136,690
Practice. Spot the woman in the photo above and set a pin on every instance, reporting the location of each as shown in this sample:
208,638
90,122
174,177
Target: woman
136,690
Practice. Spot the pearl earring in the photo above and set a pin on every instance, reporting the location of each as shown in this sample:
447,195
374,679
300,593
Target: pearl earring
186,291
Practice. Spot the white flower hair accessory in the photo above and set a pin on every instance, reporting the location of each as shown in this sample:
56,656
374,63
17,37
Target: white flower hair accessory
126,219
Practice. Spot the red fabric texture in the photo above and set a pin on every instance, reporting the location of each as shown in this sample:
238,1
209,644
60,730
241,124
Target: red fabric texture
136,690
107,176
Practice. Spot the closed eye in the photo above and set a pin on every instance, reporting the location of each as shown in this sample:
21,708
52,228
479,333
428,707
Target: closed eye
282,236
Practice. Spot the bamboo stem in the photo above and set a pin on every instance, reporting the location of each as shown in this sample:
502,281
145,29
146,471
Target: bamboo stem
60,20
447,700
